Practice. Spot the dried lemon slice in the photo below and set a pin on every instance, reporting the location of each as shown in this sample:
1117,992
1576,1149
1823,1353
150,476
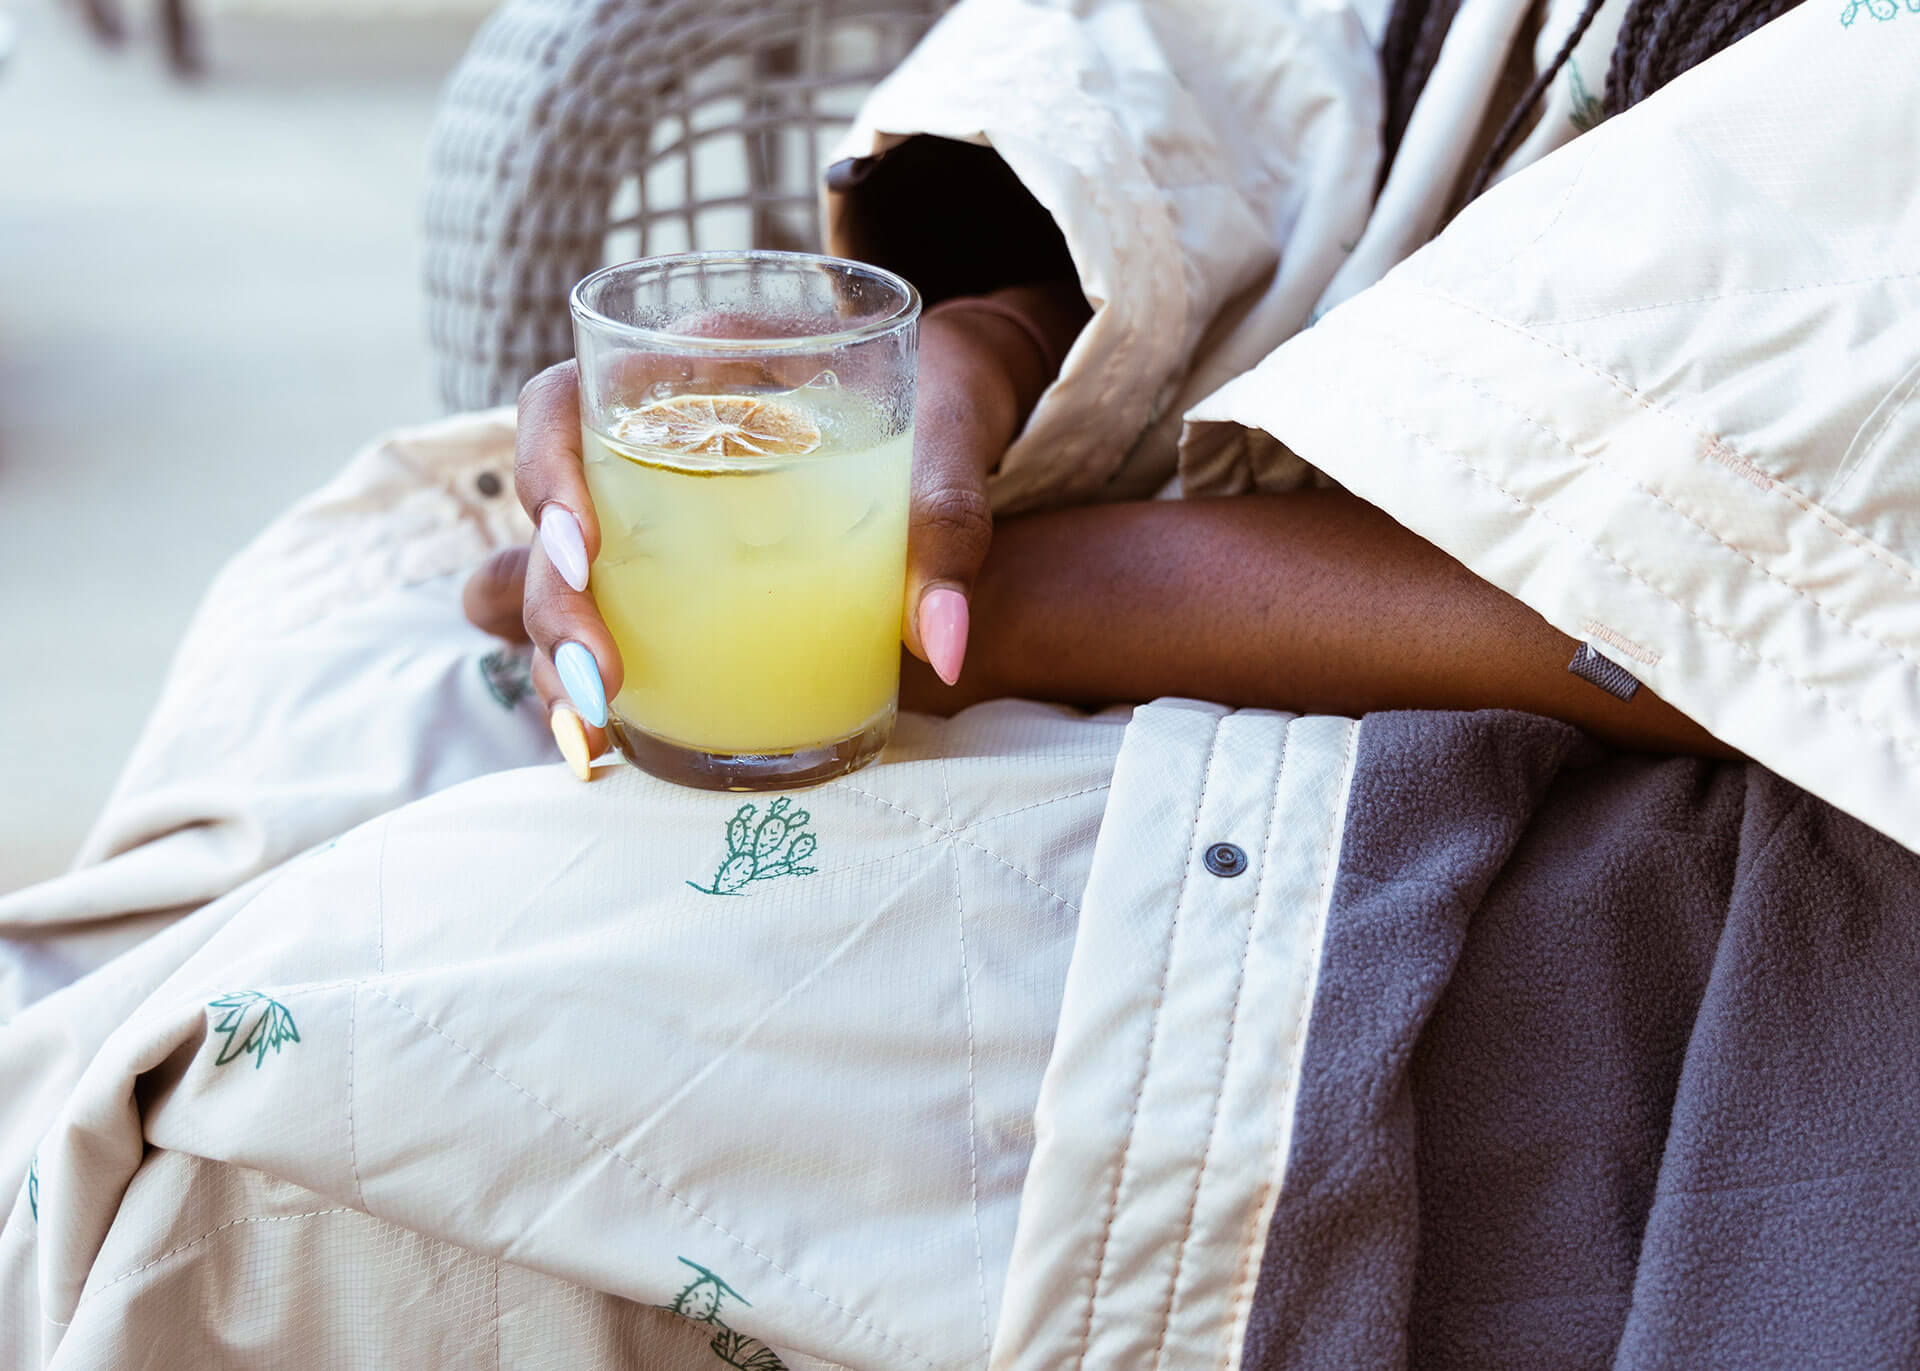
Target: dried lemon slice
720,426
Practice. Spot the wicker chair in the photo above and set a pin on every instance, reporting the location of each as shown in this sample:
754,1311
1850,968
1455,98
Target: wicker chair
578,132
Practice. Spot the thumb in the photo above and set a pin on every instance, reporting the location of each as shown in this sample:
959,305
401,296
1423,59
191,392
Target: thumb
493,594
949,528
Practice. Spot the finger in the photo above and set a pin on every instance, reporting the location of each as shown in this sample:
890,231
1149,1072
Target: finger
563,623
492,596
547,475
922,692
579,742
949,527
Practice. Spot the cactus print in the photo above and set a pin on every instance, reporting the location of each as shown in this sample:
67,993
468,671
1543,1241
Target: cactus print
1587,112
252,1023
1882,10
509,676
701,1301
776,845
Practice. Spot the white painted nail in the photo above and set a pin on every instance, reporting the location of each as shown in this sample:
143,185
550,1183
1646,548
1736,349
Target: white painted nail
566,549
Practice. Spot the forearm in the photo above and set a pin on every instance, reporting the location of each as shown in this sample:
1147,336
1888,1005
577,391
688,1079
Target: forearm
1314,602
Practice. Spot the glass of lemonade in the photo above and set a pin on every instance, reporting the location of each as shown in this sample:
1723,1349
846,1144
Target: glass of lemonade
747,430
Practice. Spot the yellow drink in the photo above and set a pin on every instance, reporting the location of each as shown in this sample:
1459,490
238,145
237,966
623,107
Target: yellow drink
756,600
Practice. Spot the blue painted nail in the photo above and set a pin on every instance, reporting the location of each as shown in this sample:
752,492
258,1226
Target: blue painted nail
580,674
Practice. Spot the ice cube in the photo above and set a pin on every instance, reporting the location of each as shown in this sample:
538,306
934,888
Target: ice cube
624,541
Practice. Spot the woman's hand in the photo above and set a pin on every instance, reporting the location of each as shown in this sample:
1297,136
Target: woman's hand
982,366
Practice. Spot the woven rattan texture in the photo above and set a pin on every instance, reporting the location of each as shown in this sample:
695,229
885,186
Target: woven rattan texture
577,132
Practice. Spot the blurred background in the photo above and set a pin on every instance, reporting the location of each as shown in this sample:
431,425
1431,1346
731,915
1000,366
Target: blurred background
244,237
209,296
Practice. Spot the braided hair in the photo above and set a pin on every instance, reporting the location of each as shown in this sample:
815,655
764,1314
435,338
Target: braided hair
1658,40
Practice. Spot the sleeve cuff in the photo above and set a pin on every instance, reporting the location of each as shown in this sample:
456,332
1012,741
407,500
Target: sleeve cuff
1151,219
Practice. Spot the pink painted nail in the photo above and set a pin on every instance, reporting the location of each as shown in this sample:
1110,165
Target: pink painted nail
943,631
566,549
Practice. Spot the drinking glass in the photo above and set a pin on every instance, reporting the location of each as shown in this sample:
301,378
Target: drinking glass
747,431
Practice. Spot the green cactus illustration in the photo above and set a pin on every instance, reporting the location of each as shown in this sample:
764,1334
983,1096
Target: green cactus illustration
252,1023
1879,9
701,1301
1587,111
775,846
508,675
703,1295
745,1353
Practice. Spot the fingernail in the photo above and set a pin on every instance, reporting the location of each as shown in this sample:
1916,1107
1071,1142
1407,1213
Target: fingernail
571,738
580,674
943,631
566,549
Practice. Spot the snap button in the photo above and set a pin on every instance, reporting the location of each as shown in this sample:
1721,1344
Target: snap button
487,483
1224,859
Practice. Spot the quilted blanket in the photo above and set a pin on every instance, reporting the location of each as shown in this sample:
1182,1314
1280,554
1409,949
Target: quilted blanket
1190,1038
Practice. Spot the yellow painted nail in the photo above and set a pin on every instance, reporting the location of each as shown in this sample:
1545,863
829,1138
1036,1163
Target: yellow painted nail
571,737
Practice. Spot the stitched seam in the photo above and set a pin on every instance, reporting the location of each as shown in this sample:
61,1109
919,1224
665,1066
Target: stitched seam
195,1242
1248,1277
1818,693
1146,1058
879,861
1615,639
380,901
1894,411
281,992
765,1015
1717,447
1241,1285
1226,1055
1037,804
954,826
344,982
920,819
353,1142
1841,529
959,835
1896,401
1566,198
1018,871
943,837
272,881
1659,500
1738,465
1727,295
1244,1271
657,1184
496,1314
973,1148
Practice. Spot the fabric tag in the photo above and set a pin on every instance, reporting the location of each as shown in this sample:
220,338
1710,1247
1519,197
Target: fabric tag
1604,672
